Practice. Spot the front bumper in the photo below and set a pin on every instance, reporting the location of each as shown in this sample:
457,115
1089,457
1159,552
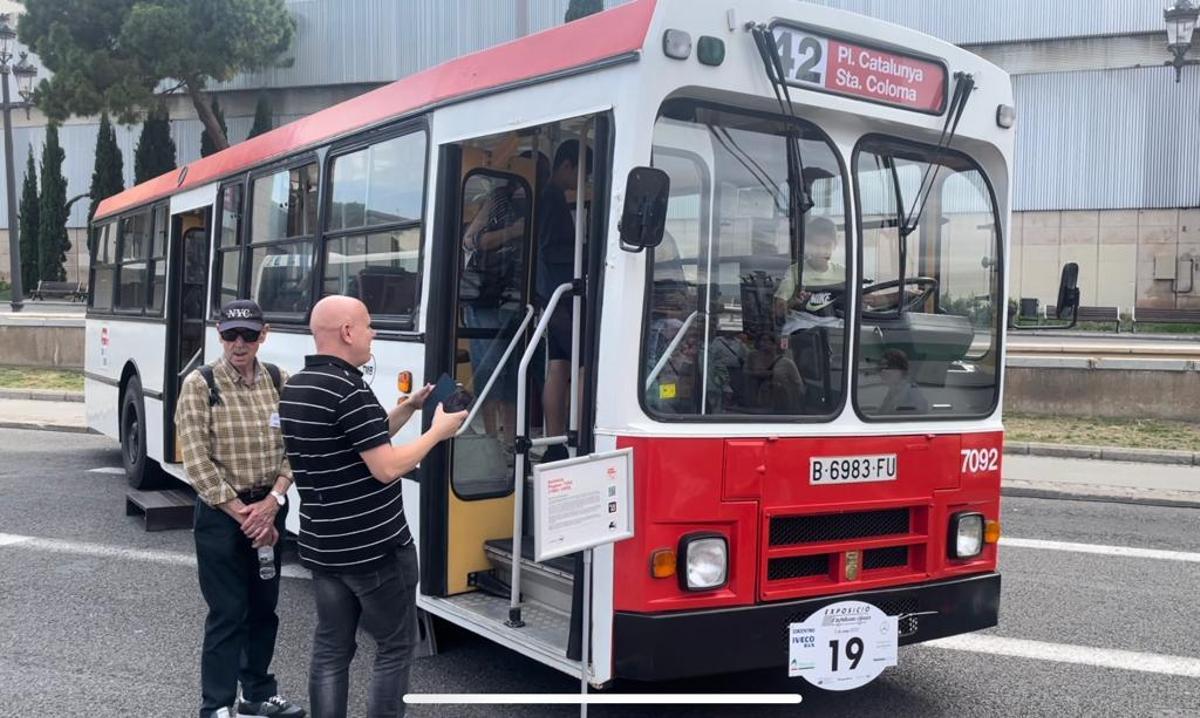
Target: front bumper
677,645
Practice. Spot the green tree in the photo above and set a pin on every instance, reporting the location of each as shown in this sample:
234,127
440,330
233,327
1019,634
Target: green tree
113,54
583,8
263,121
108,176
208,142
28,227
53,244
155,152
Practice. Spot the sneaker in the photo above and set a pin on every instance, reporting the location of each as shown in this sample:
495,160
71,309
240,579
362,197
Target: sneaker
222,713
274,706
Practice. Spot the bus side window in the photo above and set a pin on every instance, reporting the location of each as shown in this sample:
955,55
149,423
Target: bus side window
373,231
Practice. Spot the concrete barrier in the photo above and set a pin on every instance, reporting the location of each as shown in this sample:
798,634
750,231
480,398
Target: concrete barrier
1108,388
48,342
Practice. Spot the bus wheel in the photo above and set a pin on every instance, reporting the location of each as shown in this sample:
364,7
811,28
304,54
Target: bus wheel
143,473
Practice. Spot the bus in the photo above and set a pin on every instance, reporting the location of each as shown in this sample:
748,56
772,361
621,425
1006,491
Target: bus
787,292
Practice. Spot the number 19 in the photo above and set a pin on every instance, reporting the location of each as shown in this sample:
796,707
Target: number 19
854,652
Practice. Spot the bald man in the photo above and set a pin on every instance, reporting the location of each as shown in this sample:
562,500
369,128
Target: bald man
353,534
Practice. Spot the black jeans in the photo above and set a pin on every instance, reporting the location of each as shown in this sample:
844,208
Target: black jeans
385,602
239,633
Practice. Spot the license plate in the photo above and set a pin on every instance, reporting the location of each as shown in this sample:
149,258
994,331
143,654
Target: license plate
851,469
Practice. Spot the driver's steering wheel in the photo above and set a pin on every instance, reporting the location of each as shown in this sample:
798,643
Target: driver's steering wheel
926,287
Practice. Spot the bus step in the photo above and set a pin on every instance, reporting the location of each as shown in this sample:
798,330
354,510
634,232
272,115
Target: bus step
161,510
550,583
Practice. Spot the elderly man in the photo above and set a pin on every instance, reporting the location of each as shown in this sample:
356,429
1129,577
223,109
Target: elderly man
228,425
353,533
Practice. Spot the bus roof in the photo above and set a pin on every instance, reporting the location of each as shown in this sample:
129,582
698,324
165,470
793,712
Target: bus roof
603,36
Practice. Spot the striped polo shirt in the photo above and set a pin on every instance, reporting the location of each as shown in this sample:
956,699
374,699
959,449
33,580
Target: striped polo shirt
349,521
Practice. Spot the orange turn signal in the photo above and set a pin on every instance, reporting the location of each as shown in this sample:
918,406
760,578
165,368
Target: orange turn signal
662,563
404,382
991,532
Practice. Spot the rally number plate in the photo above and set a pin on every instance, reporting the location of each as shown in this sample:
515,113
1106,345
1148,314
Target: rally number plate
851,469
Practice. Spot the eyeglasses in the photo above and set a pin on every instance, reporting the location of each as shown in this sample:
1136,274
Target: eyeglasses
249,336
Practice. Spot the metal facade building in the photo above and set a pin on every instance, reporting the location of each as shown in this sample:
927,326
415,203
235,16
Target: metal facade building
1101,124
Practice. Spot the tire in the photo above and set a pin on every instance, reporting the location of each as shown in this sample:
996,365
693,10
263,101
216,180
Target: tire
142,472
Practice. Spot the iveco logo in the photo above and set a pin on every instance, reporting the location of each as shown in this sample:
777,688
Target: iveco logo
853,562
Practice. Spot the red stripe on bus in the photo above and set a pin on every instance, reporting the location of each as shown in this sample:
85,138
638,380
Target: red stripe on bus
608,34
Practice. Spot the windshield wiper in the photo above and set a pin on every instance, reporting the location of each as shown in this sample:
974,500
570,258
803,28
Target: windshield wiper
964,85
768,50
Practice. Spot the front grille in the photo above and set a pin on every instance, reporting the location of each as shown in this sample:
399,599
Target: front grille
792,530
797,567
891,606
885,557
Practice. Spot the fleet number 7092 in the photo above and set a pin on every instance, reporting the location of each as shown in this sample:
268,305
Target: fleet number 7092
975,461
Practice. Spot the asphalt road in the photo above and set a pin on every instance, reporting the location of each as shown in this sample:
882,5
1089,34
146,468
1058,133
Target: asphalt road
99,617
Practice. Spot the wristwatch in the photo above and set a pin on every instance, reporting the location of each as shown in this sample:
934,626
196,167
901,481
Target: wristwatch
280,499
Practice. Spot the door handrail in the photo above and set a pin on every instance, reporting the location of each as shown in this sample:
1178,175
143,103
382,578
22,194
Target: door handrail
487,388
514,603
662,361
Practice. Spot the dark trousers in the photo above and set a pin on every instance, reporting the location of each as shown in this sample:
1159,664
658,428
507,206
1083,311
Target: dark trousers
384,603
239,633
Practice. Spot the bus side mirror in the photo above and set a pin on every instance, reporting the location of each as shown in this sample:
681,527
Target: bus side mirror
644,218
1068,292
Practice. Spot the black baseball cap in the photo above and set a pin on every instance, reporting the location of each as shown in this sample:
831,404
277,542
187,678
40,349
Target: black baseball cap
241,314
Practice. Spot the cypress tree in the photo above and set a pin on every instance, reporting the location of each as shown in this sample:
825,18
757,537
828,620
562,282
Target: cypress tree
108,176
28,227
53,244
155,153
262,117
207,145
582,8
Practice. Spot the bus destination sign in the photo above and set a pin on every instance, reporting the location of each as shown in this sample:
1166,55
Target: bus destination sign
819,62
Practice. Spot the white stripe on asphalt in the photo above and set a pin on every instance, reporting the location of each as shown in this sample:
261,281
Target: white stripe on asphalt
173,558
1127,551
1064,653
107,470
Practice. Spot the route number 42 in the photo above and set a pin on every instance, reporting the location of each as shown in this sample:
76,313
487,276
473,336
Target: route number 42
975,461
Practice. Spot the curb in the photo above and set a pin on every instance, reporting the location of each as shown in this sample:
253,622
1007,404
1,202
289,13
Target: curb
38,426
1084,495
1103,453
42,395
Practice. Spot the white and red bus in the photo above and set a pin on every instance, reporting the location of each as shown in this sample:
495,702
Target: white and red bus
790,234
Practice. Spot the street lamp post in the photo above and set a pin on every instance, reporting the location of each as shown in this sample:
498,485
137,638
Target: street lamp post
25,73
1181,23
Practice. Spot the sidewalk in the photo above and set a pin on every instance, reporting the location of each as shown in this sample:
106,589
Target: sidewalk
1143,476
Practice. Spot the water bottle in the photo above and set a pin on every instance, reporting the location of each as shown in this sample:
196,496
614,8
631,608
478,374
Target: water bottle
266,563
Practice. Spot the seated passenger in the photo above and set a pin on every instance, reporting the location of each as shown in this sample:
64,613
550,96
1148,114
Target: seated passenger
812,286
773,381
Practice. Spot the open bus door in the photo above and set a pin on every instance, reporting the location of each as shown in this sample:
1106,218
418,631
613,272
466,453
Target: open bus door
479,331
188,290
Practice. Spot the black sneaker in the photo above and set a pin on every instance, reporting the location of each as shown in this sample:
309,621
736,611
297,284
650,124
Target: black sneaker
277,706
555,452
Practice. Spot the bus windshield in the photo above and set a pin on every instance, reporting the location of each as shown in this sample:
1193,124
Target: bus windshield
929,304
745,313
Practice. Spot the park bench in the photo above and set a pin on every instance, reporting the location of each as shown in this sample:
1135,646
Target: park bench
1165,316
1093,314
67,290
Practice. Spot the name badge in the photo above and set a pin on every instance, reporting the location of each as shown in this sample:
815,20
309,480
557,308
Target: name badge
274,422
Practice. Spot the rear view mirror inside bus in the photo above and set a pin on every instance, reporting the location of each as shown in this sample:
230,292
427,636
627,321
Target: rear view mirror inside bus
644,217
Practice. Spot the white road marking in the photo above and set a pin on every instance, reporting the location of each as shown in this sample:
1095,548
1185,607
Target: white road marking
610,699
1127,551
107,470
173,558
973,643
1079,655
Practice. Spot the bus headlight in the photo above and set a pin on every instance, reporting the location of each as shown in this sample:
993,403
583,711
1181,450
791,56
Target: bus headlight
705,559
966,535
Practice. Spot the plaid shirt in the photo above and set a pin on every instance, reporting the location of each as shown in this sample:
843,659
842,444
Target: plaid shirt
232,447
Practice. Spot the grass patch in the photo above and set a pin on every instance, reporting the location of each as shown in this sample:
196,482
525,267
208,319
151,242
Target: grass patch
49,379
1125,433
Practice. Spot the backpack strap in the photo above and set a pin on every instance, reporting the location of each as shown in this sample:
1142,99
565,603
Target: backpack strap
214,394
276,377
